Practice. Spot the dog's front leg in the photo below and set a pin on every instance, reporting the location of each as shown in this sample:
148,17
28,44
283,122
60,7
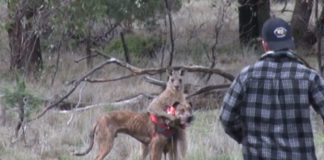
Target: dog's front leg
156,147
173,154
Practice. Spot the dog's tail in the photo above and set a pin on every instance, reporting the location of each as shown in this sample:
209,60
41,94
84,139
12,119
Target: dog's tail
91,137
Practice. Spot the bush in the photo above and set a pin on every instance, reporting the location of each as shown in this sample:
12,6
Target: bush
138,45
16,95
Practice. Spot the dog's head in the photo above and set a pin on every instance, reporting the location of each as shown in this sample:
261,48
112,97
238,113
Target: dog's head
183,112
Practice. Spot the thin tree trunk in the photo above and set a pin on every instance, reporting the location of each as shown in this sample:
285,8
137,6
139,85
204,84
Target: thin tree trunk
171,31
24,43
299,24
126,53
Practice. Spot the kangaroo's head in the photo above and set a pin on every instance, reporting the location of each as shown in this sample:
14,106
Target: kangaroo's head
175,79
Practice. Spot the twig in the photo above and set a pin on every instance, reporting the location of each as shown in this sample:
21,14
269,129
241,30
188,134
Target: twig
285,6
207,89
76,106
84,58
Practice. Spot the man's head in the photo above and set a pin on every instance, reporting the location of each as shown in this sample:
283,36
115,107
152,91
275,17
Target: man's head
276,35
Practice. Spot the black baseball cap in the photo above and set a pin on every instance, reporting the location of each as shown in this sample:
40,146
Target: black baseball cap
277,33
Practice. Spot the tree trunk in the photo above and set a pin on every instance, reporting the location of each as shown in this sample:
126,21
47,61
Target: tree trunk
24,43
262,13
252,15
299,24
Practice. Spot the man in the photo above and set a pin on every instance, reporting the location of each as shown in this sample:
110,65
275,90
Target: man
267,107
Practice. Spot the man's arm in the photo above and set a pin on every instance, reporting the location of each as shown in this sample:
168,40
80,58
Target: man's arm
317,95
230,112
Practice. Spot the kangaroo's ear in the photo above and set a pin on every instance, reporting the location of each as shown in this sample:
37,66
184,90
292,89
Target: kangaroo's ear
169,70
190,104
175,104
181,71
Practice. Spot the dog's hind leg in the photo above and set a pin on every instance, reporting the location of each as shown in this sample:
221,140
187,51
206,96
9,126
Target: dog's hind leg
144,150
182,145
105,139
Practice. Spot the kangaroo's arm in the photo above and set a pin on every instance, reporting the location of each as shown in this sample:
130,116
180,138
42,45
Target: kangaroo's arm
160,111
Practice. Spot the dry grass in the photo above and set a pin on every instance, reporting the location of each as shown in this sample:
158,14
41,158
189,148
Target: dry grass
52,138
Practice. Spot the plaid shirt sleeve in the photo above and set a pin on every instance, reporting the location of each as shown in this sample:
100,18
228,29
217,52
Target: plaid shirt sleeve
317,95
230,116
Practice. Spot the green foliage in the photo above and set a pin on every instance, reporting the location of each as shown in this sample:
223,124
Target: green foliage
65,157
77,18
138,45
108,108
16,95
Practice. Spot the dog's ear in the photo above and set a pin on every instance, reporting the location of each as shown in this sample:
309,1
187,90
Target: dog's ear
175,104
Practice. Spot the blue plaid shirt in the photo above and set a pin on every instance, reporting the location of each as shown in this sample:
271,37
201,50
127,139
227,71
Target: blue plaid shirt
267,108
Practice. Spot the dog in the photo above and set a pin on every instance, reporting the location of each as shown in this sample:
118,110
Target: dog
144,127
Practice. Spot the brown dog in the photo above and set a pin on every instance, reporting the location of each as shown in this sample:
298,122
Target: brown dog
141,127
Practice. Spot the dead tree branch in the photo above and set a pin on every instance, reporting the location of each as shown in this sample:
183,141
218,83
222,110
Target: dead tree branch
118,103
75,85
135,70
111,80
155,81
84,58
285,6
153,71
207,89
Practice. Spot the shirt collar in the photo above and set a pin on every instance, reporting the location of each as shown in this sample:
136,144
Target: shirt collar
288,53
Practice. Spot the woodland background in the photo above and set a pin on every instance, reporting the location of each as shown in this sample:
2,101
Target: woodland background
65,62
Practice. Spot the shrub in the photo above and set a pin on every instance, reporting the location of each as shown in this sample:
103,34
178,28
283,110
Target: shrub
138,45
16,95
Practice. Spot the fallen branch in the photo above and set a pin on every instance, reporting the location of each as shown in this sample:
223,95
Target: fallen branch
135,70
110,80
118,103
155,81
207,89
75,85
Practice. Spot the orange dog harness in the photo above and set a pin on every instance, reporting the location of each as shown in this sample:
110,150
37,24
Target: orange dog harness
163,128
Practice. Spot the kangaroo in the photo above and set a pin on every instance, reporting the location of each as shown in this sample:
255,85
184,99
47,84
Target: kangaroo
172,93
